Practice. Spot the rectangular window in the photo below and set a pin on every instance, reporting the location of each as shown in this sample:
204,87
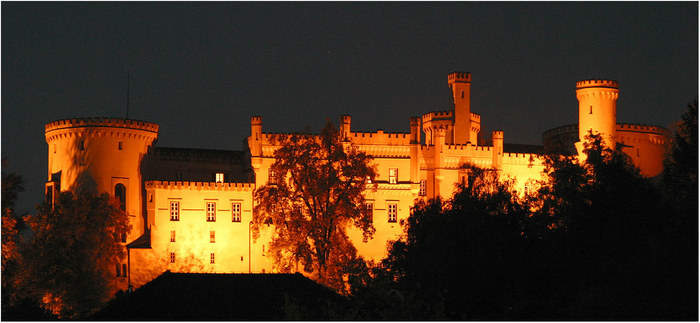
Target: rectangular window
123,237
211,258
219,177
118,273
211,212
174,211
271,177
422,191
172,235
369,208
81,145
172,257
120,145
392,212
212,236
123,270
236,212
393,175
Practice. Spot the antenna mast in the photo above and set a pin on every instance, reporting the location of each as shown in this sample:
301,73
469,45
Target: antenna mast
128,85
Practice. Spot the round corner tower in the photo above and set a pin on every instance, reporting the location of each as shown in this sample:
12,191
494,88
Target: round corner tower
597,110
109,151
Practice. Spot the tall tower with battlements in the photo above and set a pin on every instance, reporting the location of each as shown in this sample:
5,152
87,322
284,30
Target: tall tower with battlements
105,151
597,110
460,84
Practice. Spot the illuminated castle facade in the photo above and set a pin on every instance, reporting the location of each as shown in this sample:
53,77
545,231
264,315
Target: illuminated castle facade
191,209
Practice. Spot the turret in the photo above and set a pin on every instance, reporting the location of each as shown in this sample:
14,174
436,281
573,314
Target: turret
597,110
345,126
415,130
255,140
497,139
460,83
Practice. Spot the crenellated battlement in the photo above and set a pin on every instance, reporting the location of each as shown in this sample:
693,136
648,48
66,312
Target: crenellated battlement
459,77
439,115
101,122
415,121
476,118
256,120
209,186
596,83
643,128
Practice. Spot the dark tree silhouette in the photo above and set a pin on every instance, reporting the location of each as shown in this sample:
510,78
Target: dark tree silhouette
11,187
315,196
68,263
459,256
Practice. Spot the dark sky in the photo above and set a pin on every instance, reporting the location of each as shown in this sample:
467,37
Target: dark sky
200,70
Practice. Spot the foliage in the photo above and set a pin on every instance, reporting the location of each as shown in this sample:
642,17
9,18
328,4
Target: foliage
593,242
11,186
317,196
68,264
461,253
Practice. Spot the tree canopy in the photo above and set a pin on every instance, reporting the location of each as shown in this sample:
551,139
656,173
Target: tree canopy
68,264
315,195
595,241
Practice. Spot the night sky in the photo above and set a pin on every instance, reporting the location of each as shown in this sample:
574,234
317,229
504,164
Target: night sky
200,70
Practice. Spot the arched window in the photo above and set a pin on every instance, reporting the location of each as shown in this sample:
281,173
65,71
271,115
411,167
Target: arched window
120,194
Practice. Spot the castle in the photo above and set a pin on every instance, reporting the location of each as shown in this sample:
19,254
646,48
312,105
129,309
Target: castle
191,209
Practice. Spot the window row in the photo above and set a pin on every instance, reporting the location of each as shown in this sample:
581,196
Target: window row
81,145
210,211
212,236
392,211
212,258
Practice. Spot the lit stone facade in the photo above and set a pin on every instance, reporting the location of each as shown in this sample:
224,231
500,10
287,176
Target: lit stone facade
191,209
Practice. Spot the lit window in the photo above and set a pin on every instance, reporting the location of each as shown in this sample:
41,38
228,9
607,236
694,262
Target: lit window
393,175
236,212
172,235
172,257
392,212
368,180
271,177
211,258
219,177
174,211
422,190
120,194
211,212
212,236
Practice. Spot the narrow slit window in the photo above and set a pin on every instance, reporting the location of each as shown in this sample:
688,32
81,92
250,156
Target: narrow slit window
591,110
